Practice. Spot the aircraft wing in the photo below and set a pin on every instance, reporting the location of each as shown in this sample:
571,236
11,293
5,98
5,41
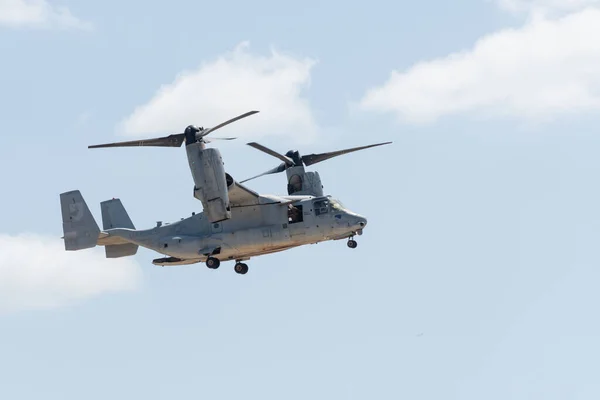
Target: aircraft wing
240,195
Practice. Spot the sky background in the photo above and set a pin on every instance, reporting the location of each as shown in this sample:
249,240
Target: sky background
476,277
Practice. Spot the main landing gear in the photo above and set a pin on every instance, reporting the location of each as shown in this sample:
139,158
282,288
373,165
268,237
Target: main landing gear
241,268
213,263
352,243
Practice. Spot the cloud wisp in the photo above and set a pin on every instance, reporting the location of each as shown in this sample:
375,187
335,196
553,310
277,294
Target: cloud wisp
229,85
37,273
548,68
38,14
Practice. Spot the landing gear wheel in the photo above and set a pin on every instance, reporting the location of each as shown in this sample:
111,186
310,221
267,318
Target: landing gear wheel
352,243
213,263
241,268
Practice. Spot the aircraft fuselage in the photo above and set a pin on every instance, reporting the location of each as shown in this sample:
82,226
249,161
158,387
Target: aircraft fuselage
252,231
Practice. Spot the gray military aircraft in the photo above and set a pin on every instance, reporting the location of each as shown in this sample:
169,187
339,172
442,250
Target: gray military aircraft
237,223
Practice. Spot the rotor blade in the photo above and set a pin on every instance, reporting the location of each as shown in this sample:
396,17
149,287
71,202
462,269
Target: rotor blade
280,168
288,161
222,124
219,138
174,140
315,158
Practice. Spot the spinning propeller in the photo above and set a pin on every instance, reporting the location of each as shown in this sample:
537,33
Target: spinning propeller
293,158
192,134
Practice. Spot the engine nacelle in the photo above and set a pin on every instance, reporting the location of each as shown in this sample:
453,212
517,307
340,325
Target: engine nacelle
210,187
301,182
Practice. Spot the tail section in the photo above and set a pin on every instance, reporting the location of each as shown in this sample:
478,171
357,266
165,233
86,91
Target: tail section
79,226
115,216
82,232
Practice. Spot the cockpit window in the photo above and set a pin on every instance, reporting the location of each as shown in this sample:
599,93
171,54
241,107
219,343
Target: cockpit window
321,207
337,205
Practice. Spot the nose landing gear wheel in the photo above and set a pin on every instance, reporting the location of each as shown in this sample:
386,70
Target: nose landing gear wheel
241,268
213,263
352,243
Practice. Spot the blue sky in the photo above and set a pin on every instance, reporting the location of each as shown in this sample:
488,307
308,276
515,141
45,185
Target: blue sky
476,277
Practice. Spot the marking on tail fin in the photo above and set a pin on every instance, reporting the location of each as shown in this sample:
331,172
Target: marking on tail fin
76,211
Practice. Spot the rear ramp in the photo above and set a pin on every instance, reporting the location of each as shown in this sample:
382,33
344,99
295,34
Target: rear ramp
114,215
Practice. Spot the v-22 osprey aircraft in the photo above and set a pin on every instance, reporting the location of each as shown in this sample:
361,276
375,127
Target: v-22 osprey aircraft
236,224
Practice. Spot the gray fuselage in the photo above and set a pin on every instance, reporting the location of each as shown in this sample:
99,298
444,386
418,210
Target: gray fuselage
251,231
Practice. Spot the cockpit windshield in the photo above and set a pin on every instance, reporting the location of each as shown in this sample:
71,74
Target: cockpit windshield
336,205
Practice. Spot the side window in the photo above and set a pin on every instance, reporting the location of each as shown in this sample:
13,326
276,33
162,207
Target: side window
321,207
295,214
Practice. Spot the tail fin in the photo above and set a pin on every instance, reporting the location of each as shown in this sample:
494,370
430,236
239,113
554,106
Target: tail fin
115,216
79,226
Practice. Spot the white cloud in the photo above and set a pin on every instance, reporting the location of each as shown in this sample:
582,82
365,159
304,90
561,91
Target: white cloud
38,14
547,68
37,273
227,86
545,7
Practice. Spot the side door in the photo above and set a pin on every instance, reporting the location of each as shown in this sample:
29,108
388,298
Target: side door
297,222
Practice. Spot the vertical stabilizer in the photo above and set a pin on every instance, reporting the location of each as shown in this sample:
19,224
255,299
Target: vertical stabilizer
79,227
114,215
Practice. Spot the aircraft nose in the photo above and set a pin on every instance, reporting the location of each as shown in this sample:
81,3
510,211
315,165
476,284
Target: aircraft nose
362,222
